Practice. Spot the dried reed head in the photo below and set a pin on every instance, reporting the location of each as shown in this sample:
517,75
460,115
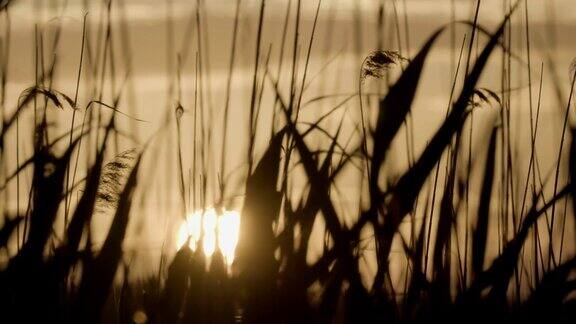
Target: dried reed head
378,62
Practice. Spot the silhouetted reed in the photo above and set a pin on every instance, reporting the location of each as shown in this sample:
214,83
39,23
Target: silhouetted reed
57,273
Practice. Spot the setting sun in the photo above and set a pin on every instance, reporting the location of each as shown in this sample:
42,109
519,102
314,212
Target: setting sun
216,230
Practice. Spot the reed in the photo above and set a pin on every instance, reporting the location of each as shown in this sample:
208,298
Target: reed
463,254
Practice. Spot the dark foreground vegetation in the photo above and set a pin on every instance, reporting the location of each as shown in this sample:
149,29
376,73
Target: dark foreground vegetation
54,278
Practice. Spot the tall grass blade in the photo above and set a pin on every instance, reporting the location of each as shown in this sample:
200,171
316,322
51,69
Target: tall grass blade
480,232
99,273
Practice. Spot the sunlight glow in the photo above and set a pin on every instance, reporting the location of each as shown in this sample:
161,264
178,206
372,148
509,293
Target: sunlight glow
218,231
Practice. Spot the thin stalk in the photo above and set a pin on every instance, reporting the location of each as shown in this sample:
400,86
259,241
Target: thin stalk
251,131
436,173
558,161
280,62
227,100
67,202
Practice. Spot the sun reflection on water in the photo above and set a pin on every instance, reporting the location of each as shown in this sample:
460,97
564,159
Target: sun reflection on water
217,231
